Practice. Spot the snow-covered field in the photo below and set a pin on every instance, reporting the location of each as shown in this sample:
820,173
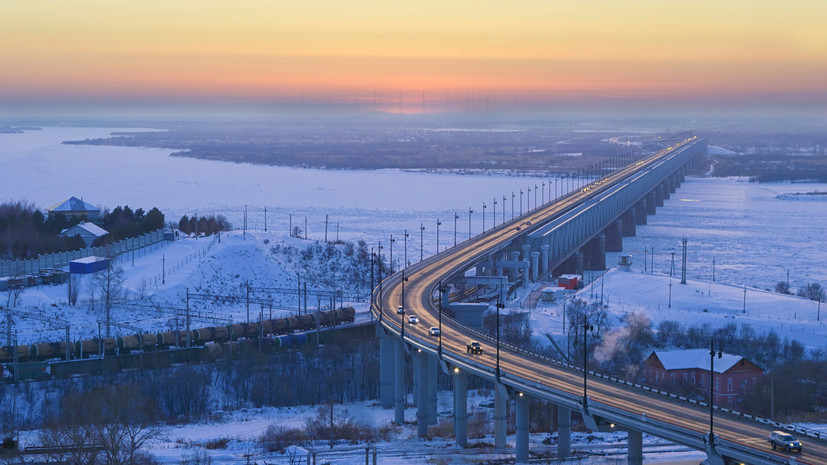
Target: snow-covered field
755,233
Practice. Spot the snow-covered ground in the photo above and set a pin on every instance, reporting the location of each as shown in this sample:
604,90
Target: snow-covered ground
754,232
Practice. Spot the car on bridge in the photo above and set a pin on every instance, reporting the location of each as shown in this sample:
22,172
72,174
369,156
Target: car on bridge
785,440
434,331
400,310
473,347
412,320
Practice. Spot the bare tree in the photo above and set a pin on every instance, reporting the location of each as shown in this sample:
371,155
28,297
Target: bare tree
108,282
812,291
72,289
16,289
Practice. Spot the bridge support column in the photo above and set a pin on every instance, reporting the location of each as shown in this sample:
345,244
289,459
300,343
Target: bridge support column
640,211
535,269
666,189
515,257
386,362
629,223
500,399
460,408
432,376
596,253
659,195
650,203
614,236
676,182
398,381
526,280
526,252
544,258
421,367
635,452
446,297
563,432
521,417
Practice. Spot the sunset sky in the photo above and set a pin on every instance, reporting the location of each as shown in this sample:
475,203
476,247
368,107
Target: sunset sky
434,55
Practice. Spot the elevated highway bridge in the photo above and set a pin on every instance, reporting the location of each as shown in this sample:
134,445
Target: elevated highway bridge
556,237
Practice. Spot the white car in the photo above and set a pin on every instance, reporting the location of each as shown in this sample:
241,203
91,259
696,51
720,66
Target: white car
412,320
400,310
785,441
434,331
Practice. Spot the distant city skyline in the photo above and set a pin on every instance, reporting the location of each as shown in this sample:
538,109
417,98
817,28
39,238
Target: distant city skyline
412,57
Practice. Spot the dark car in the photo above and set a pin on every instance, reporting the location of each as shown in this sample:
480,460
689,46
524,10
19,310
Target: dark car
473,347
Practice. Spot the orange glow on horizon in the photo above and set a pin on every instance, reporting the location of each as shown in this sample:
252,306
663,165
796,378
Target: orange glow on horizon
500,51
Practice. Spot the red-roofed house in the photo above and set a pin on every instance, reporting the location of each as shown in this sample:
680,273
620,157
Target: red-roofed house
689,370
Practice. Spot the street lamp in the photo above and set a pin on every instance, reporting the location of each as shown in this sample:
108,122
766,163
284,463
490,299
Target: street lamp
456,217
544,192
504,209
405,265
528,199
469,222
441,291
438,224
421,250
495,214
512,204
500,305
521,202
379,272
535,196
391,263
586,327
402,323
483,216
711,374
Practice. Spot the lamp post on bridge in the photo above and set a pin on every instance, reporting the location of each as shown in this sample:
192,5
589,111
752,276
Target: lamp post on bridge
441,291
528,199
512,204
500,305
483,216
711,398
405,257
535,196
438,224
379,272
402,323
543,199
456,217
586,328
495,214
391,263
521,202
469,221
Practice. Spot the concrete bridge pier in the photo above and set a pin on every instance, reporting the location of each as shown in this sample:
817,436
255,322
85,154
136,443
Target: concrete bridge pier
544,257
432,398
629,222
421,368
521,418
635,451
416,380
614,236
460,407
515,273
659,195
563,432
640,211
386,362
500,399
535,260
526,252
650,203
596,253
398,381
445,297
666,189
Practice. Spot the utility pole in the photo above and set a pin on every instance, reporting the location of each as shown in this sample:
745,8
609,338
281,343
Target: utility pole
745,299
163,269
325,227
683,265
265,218
305,227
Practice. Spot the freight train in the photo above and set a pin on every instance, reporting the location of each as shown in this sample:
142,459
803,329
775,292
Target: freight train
216,341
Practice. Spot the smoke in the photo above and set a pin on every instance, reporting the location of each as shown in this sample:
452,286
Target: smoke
616,343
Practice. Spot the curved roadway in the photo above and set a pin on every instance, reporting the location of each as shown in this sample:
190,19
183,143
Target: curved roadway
523,369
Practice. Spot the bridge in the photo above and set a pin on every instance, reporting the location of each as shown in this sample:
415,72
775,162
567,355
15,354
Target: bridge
557,237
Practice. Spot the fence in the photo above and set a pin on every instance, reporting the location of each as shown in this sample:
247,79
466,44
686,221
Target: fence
59,260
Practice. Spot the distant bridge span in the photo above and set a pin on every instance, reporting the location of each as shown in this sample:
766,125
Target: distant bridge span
559,236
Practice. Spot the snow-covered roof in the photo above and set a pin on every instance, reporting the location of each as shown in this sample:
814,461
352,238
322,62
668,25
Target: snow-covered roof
89,259
570,276
73,204
695,359
91,228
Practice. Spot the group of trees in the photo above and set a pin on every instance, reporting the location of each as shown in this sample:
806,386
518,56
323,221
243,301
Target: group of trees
343,265
122,223
813,291
25,232
203,226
